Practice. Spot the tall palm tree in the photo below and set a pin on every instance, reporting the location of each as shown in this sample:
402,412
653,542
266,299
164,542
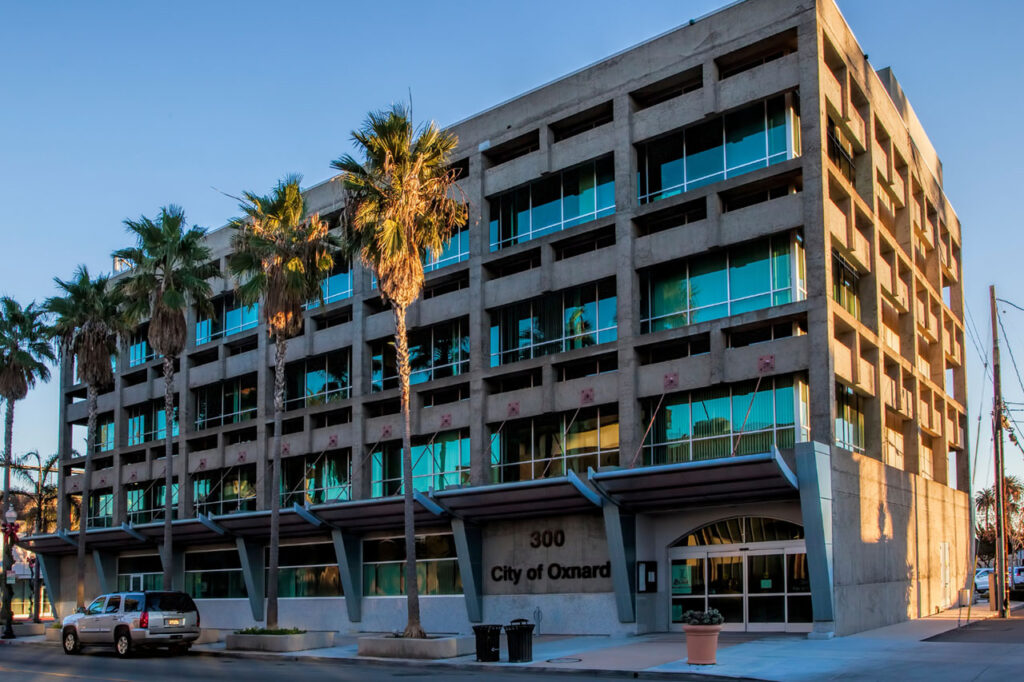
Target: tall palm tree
402,203
985,501
87,321
280,257
40,479
25,355
169,268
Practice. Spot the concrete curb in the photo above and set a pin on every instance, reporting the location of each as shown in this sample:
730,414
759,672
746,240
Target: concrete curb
475,666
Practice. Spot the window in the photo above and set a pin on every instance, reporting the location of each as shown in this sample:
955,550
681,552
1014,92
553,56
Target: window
139,573
214,575
742,530
455,251
229,318
336,286
230,402
105,433
316,479
840,150
101,509
549,446
307,571
849,419
845,285
437,566
145,501
756,136
148,422
434,352
751,276
225,492
440,462
574,318
553,203
317,381
725,420
139,351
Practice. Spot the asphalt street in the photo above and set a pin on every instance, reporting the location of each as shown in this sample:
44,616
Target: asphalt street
50,664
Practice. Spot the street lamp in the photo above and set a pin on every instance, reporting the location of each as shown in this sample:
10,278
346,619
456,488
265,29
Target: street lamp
9,528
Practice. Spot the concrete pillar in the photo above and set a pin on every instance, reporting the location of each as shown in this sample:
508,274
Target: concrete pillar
469,549
814,473
348,550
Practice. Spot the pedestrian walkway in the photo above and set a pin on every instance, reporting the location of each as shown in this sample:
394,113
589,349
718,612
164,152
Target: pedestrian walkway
931,649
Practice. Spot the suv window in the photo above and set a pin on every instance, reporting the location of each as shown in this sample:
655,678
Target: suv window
96,607
169,601
113,604
133,603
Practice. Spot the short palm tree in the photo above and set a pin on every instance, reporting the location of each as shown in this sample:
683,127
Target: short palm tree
402,203
39,475
280,257
87,319
169,270
25,355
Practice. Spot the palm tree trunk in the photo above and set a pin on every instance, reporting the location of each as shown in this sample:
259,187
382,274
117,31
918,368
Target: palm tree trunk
8,596
83,513
413,627
167,549
37,526
275,481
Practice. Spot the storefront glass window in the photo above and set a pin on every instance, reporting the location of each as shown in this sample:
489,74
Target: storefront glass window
437,566
214,575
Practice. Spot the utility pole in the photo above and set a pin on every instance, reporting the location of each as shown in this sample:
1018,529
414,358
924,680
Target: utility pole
1000,602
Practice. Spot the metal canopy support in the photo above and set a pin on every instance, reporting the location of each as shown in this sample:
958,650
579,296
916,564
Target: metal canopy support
428,504
212,525
307,515
49,569
348,550
63,535
620,532
469,550
585,488
250,554
106,570
127,528
814,472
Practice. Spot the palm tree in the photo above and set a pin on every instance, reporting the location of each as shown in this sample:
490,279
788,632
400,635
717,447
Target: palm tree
985,501
25,354
280,257
401,205
169,269
87,321
40,479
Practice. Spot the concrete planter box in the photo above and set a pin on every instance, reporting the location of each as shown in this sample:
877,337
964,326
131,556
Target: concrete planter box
29,629
307,640
53,634
400,647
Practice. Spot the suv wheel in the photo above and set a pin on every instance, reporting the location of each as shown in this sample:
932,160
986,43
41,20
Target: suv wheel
123,643
71,644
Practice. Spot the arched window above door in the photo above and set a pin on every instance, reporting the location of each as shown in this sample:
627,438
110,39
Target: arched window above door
741,530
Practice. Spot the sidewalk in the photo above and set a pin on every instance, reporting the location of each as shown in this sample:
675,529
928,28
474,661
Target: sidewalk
897,651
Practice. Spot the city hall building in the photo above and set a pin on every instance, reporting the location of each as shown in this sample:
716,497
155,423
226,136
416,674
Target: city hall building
699,345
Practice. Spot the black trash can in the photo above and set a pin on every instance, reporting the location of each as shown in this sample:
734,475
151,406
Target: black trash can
520,641
488,643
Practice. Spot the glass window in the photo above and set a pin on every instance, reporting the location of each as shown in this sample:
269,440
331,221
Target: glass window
721,421
214,575
745,140
316,479
226,491
559,201
705,162
744,529
434,352
437,566
455,250
437,463
230,402
317,381
849,419
845,285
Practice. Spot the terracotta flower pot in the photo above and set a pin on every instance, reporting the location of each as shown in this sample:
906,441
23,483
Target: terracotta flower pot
701,643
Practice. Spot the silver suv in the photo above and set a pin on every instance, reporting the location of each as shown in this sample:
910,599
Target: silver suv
128,620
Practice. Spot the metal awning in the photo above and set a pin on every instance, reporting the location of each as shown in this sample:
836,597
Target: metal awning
729,479
544,497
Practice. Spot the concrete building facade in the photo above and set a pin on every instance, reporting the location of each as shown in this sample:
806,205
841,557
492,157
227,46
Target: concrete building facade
700,344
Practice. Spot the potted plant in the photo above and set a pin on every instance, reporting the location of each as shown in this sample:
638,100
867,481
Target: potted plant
702,628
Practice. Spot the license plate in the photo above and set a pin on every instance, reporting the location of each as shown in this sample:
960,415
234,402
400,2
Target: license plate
174,621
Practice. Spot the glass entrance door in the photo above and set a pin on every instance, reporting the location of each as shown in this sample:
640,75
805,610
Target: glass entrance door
756,588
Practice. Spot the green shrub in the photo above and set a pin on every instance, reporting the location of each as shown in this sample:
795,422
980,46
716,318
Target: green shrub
709,617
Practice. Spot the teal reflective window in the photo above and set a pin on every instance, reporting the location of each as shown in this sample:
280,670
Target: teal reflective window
434,352
437,463
437,570
705,160
709,291
745,140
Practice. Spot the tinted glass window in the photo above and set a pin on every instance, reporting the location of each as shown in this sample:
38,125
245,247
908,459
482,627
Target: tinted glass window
113,604
96,607
133,603
169,601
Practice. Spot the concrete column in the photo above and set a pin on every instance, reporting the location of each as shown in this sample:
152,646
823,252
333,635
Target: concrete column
106,570
469,549
359,378
479,321
250,554
348,550
620,533
814,473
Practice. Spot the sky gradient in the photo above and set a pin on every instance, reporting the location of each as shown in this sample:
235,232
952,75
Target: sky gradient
114,109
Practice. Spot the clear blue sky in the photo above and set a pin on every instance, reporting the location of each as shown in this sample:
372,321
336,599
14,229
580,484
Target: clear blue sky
112,109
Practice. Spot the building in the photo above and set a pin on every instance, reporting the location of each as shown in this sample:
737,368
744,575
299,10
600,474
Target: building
701,343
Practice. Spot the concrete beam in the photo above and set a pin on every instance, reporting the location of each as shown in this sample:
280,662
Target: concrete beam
250,555
106,570
814,472
469,550
49,569
620,532
348,550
